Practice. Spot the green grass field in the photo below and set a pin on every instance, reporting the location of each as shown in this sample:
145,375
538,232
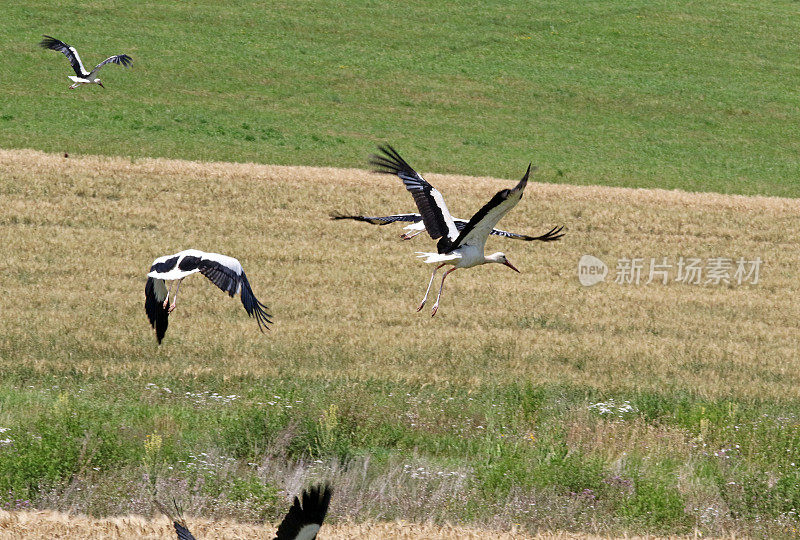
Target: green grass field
691,95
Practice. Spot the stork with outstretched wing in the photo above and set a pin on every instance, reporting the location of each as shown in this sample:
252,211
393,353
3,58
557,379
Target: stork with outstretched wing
223,271
417,226
81,75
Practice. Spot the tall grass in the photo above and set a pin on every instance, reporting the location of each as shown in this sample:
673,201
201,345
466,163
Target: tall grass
539,457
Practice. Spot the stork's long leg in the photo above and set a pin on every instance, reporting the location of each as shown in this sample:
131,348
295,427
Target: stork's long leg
410,235
175,298
169,292
425,298
436,305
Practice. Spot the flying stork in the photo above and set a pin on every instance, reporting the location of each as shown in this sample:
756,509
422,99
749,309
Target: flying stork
417,227
223,271
302,522
81,75
460,249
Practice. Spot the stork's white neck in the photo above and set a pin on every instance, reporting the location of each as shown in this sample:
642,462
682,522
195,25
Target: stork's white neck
498,257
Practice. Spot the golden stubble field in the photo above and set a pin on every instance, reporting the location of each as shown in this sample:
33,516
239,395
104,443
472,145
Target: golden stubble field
49,524
79,234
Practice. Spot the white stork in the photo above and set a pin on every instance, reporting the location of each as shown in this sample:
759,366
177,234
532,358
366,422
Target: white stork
460,249
417,227
302,522
223,271
81,75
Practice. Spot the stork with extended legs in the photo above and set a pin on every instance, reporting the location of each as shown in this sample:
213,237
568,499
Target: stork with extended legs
459,248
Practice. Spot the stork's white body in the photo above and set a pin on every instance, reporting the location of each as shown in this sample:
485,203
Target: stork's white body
462,257
77,81
176,273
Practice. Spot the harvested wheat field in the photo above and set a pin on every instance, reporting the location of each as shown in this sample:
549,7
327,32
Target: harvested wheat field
529,403
57,525
80,233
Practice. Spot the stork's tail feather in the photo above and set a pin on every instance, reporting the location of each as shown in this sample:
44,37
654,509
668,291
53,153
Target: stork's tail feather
156,312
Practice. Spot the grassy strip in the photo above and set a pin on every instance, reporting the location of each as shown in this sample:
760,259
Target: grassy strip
691,95
632,461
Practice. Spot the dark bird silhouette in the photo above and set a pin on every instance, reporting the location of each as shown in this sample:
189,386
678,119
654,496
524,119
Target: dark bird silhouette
302,522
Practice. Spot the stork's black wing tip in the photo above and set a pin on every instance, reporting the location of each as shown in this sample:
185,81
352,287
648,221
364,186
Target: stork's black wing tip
253,307
387,149
157,314
531,169
310,508
48,42
390,162
352,217
553,234
263,318
182,532
181,529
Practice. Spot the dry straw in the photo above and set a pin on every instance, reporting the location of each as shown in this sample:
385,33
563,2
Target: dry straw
79,233
49,524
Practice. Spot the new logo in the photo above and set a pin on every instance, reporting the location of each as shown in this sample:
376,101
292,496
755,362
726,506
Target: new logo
591,270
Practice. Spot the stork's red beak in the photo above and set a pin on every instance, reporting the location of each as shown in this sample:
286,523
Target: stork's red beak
514,268
101,85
